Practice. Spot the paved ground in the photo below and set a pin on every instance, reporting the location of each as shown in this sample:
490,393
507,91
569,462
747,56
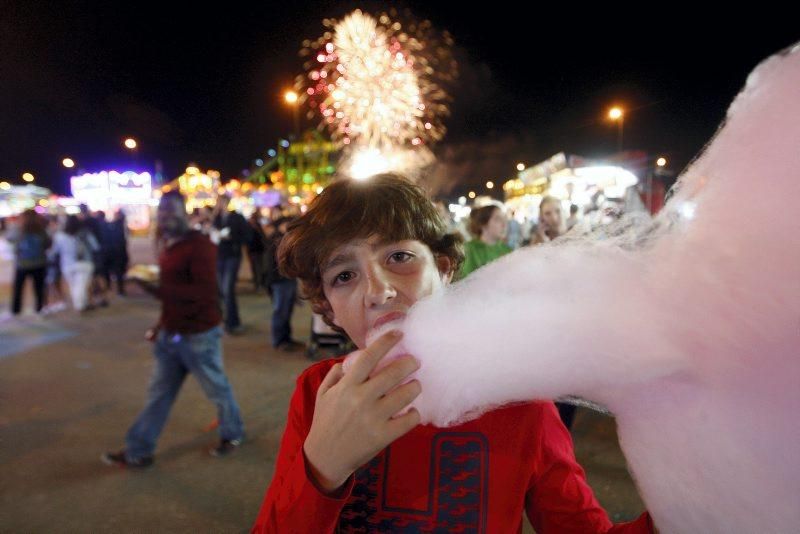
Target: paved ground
70,385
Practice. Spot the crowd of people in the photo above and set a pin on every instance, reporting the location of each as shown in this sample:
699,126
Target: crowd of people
84,251
363,255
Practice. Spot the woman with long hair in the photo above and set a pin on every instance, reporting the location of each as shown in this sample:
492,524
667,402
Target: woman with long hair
551,221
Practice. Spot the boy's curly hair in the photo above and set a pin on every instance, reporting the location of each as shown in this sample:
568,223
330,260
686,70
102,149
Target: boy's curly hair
386,205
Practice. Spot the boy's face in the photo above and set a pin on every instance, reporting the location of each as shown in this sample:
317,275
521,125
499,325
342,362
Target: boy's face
369,283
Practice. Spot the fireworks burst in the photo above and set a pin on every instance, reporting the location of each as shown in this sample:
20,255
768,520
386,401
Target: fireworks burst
379,86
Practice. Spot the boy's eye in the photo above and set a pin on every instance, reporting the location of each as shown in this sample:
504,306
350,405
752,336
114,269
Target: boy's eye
343,278
400,257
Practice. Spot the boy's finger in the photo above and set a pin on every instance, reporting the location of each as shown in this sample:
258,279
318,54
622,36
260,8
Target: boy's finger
402,424
369,357
331,379
391,376
399,398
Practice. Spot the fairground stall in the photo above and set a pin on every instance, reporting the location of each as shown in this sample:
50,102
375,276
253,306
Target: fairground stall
592,185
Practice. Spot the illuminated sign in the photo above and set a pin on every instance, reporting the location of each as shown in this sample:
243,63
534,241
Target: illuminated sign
130,187
102,189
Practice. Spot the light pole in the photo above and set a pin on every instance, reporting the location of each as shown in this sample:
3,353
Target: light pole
292,98
617,114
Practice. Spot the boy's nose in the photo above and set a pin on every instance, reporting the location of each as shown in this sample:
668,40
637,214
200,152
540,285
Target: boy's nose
379,288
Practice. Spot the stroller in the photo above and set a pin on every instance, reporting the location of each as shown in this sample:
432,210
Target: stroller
325,342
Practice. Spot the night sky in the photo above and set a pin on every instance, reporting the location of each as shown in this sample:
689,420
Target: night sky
205,84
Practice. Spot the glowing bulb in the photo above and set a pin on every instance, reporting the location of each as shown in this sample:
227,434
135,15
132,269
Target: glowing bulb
290,97
130,143
68,163
661,162
471,194
615,113
490,185
28,177
520,166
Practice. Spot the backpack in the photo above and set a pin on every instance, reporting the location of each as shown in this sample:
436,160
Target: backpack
83,251
31,249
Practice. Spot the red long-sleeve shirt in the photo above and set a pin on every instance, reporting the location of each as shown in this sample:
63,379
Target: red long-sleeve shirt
188,285
475,477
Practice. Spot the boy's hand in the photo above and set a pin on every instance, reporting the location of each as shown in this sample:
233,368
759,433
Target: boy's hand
353,414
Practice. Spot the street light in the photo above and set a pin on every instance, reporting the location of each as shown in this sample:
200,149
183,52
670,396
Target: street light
661,162
617,114
489,185
130,143
520,167
291,98
28,177
471,194
68,163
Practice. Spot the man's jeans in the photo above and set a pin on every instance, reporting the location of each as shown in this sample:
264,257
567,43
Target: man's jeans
284,294
227,272
176,355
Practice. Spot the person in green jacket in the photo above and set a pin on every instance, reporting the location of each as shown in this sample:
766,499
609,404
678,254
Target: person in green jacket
488,226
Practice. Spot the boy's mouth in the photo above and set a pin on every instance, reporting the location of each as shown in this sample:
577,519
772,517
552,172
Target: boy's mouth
387,318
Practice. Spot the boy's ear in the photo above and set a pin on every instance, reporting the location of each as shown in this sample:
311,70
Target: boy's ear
327,311
445,266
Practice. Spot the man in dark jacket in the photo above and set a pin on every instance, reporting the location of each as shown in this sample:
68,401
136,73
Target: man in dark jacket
116,257
283,292
233,233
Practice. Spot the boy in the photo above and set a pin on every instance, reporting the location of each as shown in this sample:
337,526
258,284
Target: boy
365,252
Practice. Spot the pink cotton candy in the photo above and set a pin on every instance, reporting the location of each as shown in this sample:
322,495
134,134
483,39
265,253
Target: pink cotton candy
687,328
395,352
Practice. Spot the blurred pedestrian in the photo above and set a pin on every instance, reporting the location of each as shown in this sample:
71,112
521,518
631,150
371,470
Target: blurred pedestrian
282,290
31,241
488,226
551,221
573,219
256,249
232,233
188,338
514,233
94,224
74,247
116,251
